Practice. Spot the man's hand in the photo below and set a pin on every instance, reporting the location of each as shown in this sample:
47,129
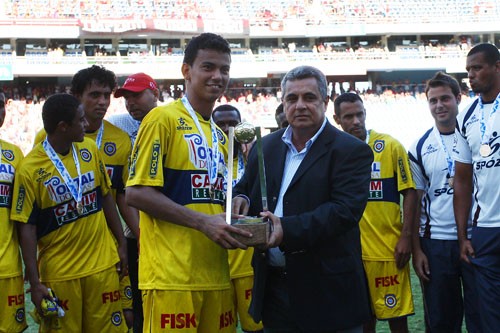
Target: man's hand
466,251
122,266
402,252
216,228
276,236
421,265
240,205
38,292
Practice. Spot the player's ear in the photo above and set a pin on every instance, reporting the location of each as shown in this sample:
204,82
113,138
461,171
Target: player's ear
186,71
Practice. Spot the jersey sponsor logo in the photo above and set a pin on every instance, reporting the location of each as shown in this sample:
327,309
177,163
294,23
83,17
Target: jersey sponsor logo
7,172
116,318
226,319
390,300
85,155
20,199
59,192
20,315
177,320
183,126
494,145
110,171
109,148
386,281
68,212
15,300
198,154
444,190
8,154
494,163
376,168
5,195
429,150
133,161
402,170
471,120
42,175
376,189
200,187
111,296
379,145
155,157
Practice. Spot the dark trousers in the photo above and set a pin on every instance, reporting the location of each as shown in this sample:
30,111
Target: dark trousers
133,271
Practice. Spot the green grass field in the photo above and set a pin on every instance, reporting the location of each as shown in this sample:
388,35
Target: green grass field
415,323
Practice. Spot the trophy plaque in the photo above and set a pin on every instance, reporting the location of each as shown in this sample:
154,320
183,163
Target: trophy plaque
260,229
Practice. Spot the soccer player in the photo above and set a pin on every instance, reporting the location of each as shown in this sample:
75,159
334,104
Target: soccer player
63,204
176,181
12,311
240,267
385,241
140,92
477,157
436,254
93,87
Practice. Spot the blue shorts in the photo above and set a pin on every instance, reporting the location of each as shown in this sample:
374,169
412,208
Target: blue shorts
486,244
442,295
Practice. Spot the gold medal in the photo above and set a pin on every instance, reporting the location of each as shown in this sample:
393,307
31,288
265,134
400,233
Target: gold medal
450,182
79,208
485,150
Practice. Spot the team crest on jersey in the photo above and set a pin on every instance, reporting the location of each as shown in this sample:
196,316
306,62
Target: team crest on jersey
8,154
128,292
85,155
183,126
20,315
110,148
379,145
390,300
116,318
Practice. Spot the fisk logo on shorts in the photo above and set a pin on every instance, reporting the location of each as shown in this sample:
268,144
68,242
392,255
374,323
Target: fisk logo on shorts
111,296
177,320
386,281
226,319
15,299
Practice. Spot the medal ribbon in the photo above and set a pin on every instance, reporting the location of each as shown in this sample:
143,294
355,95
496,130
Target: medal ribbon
367,136
74,186
449,161
241,168
212,159
484,127
98,139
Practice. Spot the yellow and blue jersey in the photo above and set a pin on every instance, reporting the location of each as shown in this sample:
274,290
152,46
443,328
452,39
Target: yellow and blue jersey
169,155
10,258
70,245
381,223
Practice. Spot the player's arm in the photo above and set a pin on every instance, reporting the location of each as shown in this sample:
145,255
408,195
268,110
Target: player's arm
402,252
420,262
129,214
462,202
114,224
151,201
28,242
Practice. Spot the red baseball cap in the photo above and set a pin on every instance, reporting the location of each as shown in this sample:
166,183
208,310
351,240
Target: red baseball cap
136,83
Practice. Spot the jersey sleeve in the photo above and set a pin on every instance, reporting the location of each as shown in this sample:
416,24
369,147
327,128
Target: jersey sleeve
461,152
402,167
23,200
146,166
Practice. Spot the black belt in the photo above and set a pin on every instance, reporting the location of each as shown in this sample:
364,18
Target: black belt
277,271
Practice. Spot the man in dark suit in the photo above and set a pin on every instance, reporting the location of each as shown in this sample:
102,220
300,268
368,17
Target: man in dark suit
309,277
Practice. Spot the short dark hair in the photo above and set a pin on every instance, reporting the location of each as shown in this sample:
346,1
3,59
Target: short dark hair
84,77
227,107
305,72
441,79
205,41
490,52
2,103
348,97
57,108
